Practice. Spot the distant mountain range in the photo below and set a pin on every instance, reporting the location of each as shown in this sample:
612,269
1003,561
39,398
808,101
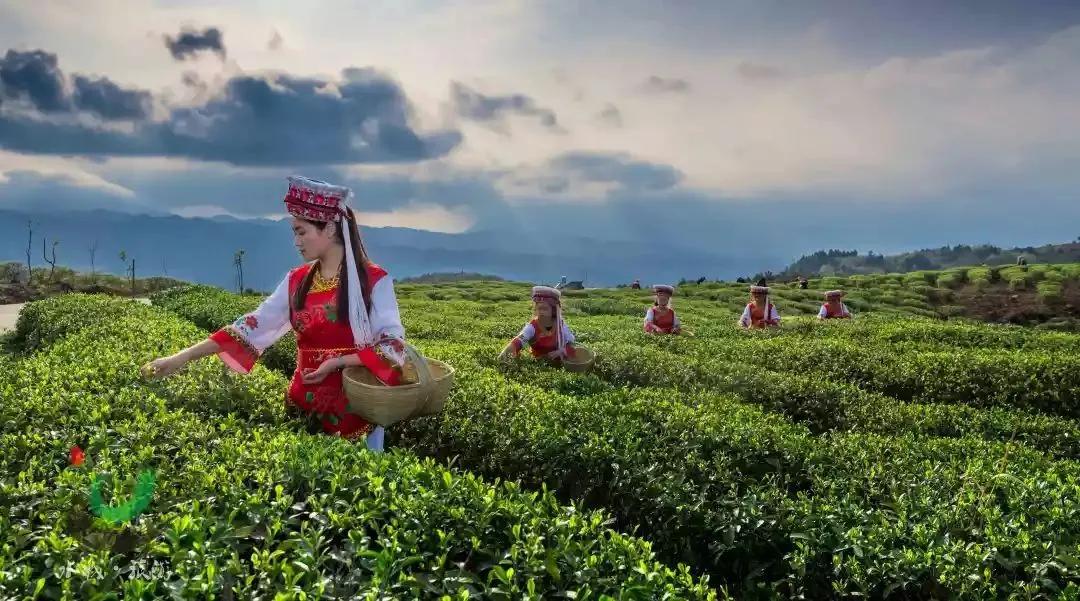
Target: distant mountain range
202,250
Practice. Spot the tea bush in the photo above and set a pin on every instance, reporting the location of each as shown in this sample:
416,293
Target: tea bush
247,505
685,442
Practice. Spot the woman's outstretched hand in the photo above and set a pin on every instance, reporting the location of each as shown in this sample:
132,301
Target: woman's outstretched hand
315,376
163,367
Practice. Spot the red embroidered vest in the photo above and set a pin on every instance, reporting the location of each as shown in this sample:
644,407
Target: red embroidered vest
541,345
758,316
664,319
837,314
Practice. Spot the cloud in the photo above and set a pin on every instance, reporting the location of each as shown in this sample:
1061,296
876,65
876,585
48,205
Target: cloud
210,189
31,190
193,81
627,172
900,122
663,85
274,119
751,71
590,175
430,217
108,100
190,42
276,41
473,105
611,116
34,76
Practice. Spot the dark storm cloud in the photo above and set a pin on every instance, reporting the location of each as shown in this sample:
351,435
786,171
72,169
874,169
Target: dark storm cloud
255,120
108,100
34,76
190,42
480,107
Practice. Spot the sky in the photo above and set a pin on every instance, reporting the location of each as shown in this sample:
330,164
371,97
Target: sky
796,126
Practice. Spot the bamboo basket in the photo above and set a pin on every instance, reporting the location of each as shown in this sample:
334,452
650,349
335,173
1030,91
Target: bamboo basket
581,362
384,405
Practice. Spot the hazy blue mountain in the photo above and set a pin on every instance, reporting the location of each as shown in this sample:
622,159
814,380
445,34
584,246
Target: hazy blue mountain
202,250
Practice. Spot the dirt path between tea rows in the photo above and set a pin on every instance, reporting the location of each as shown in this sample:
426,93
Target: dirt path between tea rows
9,314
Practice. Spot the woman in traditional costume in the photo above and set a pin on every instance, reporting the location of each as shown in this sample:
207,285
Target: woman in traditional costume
547,334
341,306
833,307
759,313
661,318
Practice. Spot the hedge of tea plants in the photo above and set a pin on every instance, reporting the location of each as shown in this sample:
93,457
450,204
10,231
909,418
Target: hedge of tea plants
247,504
771,481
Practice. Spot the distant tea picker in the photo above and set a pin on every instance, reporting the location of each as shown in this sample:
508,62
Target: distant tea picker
661,318
547,335
341,306
760,312
833,307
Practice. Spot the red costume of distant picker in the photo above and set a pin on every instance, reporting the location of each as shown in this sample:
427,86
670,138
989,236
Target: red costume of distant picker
661,318
833,307
759,313
547,334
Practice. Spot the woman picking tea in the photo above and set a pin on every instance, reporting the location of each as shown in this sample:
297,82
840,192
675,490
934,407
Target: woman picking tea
547,334
341,306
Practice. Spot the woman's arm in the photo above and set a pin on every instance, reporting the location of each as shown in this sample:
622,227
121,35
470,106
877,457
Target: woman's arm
167,366
513,348
240,344
386,325
243,342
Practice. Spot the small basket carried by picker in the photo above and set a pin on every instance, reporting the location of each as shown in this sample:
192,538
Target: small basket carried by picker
582,361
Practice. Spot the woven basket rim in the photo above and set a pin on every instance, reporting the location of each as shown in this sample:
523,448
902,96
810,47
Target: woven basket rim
449,372
577,360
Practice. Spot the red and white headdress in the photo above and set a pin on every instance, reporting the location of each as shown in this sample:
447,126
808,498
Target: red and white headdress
551,296
834,294
759,289
663,288
316,200
546,294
